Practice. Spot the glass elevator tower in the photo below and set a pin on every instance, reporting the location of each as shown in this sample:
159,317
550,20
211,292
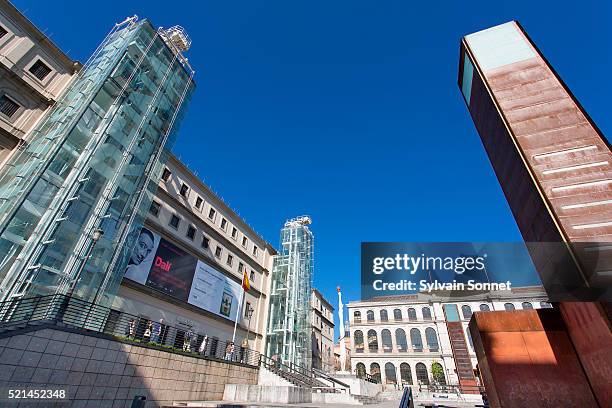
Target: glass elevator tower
289,325
73,196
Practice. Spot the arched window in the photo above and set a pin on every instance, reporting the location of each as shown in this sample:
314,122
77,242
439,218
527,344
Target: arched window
437,372
527,305
397,315
358,341
466,311
384,317
431,338
426,313
387,342
370,316
421,372
509,306
372,341
416,339
485,308
405,374
357,316
412,314
375,371
545,305
390,373
400,340
360,370
469,337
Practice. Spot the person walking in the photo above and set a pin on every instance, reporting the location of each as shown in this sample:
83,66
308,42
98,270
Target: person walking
204,346
156,330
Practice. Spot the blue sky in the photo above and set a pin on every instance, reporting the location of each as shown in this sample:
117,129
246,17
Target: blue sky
348,110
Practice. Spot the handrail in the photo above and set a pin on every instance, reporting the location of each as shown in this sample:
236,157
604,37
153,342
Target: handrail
62,310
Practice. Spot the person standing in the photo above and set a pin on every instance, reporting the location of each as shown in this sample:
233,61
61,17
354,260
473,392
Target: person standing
204,346
156,330
187,340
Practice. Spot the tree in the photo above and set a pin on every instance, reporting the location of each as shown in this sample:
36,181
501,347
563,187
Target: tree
437,372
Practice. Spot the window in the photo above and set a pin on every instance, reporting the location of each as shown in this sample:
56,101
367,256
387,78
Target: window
426,313
358,336
545,305
255,249
205,241
375,372
245,241
8,106
509,306
223,223
405,374
466,311
3,32
154,209
383,316
412,314
357,317
191,232
40,70
421,372
184,190
400,340
361,371
431,338
370,316
247,309
234,232
485,308
198,203
390,373
397,315
218,251
240,267
252,276
175,221
230,260
212,213
166,175
527,305
372,341
387,343
416,339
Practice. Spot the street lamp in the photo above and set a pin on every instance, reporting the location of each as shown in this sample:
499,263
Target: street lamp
249,314
95,237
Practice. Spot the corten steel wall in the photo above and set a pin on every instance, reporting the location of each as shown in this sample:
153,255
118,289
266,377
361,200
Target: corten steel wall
553,165
526,359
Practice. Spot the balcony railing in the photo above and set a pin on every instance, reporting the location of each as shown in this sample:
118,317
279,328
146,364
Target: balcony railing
64,311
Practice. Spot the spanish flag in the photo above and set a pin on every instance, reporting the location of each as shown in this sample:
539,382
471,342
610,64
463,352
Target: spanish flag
246,285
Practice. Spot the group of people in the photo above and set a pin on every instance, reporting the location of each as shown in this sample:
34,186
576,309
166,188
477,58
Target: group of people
156,332
152,330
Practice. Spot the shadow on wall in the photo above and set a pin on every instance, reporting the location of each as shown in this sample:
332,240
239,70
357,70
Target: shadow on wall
526,359
97,371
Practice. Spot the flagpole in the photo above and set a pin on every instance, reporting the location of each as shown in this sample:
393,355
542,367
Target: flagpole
239,309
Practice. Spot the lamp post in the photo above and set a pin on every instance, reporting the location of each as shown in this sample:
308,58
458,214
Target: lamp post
95,237
249,314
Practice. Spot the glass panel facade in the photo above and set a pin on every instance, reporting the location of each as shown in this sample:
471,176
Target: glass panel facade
94,163
289,324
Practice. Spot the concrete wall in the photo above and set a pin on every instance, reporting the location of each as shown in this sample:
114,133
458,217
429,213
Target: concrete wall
98,372
526,359
266,393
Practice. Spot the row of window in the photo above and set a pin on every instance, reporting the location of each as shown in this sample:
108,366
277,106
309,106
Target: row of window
416,340
405,376
426,311
212,213
175,222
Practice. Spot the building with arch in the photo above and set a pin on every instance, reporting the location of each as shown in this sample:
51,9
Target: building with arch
403,350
